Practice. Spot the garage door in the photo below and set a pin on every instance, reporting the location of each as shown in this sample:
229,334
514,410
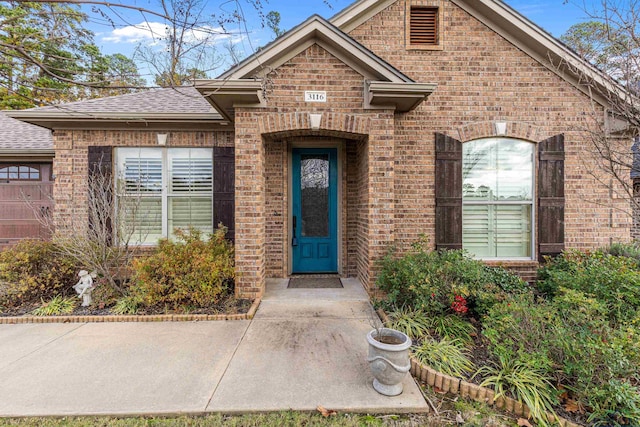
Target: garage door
18,219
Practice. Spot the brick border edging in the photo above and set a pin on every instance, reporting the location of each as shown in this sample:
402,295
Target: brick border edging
463,388
132,317
449,384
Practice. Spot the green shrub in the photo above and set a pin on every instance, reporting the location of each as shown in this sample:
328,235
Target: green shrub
522,330
629,250
33,271
190,272
569,338
506,280
616,403
613,280
430,281
448,356
56,306
593,355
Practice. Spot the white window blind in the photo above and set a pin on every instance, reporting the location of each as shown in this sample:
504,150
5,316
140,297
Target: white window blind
165,189
191,187
497,231
497,214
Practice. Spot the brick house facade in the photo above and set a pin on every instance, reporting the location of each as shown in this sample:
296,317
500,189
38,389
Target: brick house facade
396,112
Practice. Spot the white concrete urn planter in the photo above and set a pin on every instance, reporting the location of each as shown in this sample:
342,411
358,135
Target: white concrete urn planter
388,360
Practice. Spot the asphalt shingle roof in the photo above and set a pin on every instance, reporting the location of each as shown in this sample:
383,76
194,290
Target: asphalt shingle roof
17,135
163,100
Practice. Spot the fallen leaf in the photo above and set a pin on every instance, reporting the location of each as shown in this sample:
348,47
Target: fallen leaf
439,390
459,418
572,406
325,412
523,422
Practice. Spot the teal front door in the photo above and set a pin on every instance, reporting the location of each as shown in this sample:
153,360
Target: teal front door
315,210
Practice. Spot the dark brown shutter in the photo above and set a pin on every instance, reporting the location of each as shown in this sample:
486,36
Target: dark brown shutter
100,171
423,24
224,188
551,196
448,192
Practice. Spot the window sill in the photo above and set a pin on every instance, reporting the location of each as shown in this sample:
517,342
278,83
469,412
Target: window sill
511,262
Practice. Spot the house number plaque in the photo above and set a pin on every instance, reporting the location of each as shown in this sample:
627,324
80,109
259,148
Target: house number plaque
315,96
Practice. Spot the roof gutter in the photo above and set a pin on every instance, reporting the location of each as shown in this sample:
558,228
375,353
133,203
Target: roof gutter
27,152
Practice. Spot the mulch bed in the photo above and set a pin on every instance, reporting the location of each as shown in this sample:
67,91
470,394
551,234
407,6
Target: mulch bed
236,306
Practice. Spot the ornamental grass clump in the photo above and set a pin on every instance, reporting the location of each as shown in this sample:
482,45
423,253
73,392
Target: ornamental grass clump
56,306
448,356
190,272
528,384
453,327
413,323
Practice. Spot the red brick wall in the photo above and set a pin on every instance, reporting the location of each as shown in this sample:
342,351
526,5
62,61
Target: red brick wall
70,163
481,78
277,213
315,69
356,201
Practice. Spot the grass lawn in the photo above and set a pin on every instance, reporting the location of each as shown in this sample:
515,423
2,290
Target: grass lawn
472,414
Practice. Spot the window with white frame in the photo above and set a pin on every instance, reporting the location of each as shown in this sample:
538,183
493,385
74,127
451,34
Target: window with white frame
168,188
497,198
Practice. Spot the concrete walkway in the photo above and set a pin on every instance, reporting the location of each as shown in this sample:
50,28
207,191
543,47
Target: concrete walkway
304,348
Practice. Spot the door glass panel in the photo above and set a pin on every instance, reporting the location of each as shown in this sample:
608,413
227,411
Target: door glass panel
314,186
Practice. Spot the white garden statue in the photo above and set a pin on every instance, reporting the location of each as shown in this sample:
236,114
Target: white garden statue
84,287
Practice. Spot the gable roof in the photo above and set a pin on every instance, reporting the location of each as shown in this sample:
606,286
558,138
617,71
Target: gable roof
384,84
358,12
516,29
163,106
17,137
316,30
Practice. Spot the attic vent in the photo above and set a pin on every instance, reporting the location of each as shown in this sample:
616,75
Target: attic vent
423,25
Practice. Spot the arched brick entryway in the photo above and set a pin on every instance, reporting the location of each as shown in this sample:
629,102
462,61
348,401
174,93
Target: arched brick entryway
261,170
